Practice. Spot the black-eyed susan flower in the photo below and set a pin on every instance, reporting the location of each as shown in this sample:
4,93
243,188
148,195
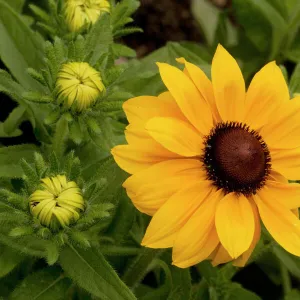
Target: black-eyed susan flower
83,12
57,203
210,160
78,85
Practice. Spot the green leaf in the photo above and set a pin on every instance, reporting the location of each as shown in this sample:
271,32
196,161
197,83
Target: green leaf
14,35
76,134
257,28
37,76
10,87
52,117
293,295
10,159
99,39
40,13
112,250
52,253
89,269
149,81
291,262
163,290
207,271
279,25
124,218
226,33
47,284
207,15
21,231
28,245
200,291
280,6
17,4
122,11
237,292
93,125
293,53
14,119
9,259
138,268
80,239
40,164
15,91
292,42
4,134
182,285
123,50
126,31
294,85
60,137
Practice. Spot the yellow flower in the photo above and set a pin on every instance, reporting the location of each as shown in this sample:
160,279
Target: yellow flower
78,85
58,203
210,160
81,12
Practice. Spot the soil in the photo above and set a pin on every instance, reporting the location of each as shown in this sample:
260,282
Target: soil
162,21
165,20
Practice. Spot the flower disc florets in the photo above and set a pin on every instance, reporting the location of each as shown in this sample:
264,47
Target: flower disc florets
236,158
58,203
81,12
78,85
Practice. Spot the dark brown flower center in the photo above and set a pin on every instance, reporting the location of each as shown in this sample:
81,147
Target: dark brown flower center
236,158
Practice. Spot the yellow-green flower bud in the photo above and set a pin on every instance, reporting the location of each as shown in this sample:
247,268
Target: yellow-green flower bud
78,85
81,12
58,203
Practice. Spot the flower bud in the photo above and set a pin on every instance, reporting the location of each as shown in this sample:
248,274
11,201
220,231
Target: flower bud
58,203
78,85
81,12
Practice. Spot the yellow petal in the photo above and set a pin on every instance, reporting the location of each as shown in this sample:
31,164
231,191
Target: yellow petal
132,159
172,216
296,212
242,260
163,170
140,138
235,224
176,136
40,195
63,180
287,194
48,184
208,244
229,86
203,85
151,197
220,256
283,132
140,109
287,162
198,238
151,188
282,224
268,89
56,184
276,176
193,106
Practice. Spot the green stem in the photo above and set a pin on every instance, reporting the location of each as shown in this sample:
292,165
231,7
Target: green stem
207,271
286,280
60,137
140,266
200,290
